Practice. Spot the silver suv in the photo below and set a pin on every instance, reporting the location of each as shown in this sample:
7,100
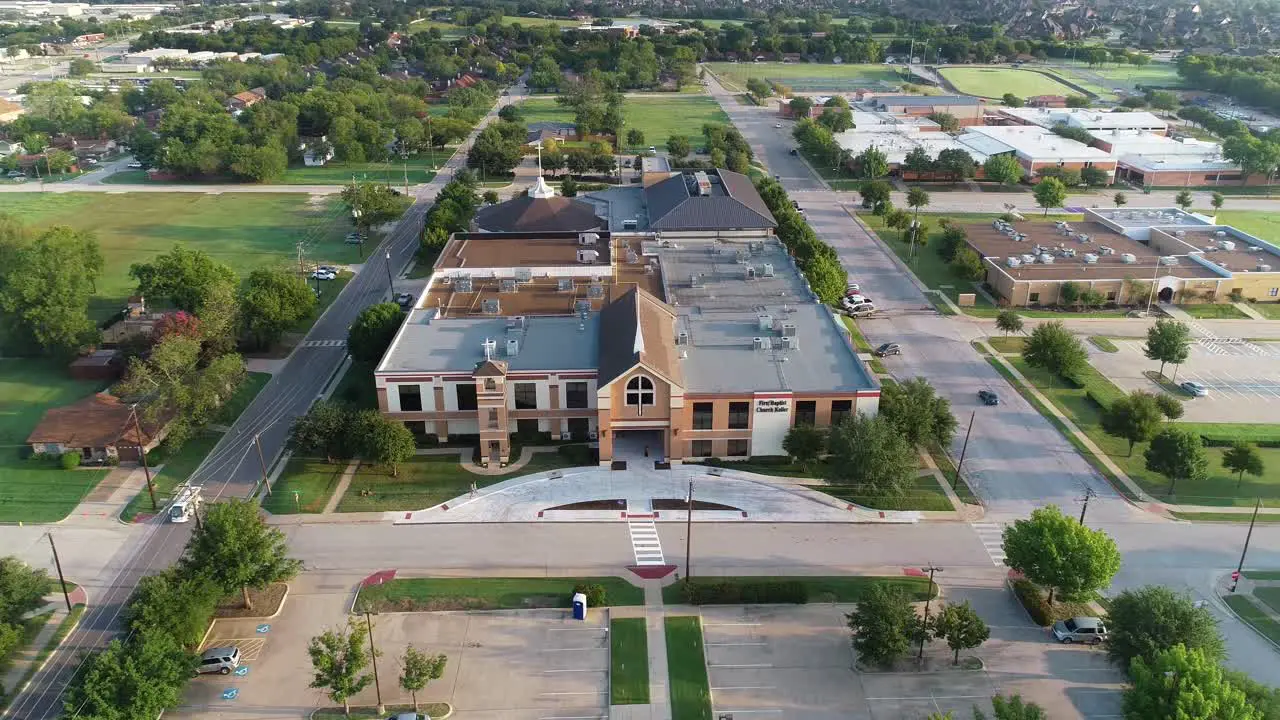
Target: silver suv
221,660
1080,629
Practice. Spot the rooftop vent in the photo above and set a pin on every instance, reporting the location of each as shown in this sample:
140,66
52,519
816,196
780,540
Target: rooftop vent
765,322
524,275
587,256
1128,258
1090,259
788,329
629,224
1227,245
767,270
491,306
1168,260
515,322
582,306
588,238
490,346
1012,262
513,347
682,338
462,283
695,280
762,343
1262,267
596,291
564,284
791,342
702,183
508,285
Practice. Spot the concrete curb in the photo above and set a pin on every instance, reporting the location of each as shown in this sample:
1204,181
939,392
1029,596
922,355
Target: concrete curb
39,668
449,714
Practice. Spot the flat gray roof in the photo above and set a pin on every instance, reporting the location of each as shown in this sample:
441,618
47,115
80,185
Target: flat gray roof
426,344
721,313
619,205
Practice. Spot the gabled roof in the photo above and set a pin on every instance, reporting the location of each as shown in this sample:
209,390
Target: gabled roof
733,203
96,421
530,214
638,329
491,368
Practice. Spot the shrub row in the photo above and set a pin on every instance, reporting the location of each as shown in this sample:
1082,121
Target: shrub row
1093,397
1211,441
748,593
596,594
1029,594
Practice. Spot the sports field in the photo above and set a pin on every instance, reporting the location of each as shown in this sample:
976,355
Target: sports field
992,82
808,77
244,230
657,117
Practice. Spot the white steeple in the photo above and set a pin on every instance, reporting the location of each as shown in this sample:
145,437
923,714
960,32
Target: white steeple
638,346
541,190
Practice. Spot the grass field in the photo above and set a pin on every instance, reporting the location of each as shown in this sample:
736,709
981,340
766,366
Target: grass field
426,594
1262,574
340,173
687,670
1213,311
1254,616
994,82
1270,596
1269,309
657,117
807,76
244,230
924,494
36,491
304,486
822,589
629,662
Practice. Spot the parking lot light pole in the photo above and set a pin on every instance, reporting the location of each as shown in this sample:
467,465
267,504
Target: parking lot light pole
688,532
963,449
924,629
373,658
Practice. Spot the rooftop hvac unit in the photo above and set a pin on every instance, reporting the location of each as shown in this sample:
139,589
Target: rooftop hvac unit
629,224
1045,259
695,280
508,285
682,338
791,342
749,273
762,343
1227,245
788,329
595,291
1012,262
564,284
1128,258
1090,259
703,182
524,275
515,322
1263,268
767,270
1106,250
588,238
513,347
462,283
632,257
1254,248
1220,234
581,306
741,256
490,306
587,256
1028,259
765,322
490,346
1168,260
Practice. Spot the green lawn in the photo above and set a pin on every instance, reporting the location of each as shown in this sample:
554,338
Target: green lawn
1270,596
30,490
924,494
240,399
356,387
1103,344
428,480
176,469
859,341
809,77
1269,309
1214,311
31,627
657,117
244,230
827,589
1263,224
991,82
1010,344
629,662
1254,616
687,670
340,173
426,594
1262,574
304,486
1225,517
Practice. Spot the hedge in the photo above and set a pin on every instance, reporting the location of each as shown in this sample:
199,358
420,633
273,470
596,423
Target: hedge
1029,594
1211,441
761,593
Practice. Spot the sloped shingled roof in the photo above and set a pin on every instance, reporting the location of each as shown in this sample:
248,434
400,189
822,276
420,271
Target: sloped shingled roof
637,328
96,421
529,214
733,204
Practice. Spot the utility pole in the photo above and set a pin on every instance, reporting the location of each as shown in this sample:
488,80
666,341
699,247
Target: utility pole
1088,493
142,455
302,270
963,449
373,657
924,632
257,440
58,564
688,532
1235,579
390,284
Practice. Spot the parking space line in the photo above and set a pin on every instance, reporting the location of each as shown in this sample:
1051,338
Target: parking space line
555,672
588,692
730,667
570,649
750,644
706,624
746,687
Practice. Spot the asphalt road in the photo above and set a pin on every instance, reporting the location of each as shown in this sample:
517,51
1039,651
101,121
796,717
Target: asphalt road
232,469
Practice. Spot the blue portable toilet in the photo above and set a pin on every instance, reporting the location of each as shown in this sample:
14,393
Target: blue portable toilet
579,606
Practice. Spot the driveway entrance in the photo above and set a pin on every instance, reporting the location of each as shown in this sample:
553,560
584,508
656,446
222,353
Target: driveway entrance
638,448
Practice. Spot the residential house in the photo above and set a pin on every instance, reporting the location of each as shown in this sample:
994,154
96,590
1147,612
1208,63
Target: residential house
100,427
316,151
247,99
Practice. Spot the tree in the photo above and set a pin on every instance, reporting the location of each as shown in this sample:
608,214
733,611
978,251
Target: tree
58,161
138,679
1057,552
836,119
372,331
1093,176
1182,683
1008,321
804,443
875,195
955,164
569,187
1011,100
546,74
81,67
635,137
1053,348
1004,169
339,658
325,430
947,122
176,383
1178,455
916,199
967,264
383,440
22,589
1170,407
872,163
1242,458
918,413
263,164
1012,708
679,146
961,627
1120,199
918,161
883,625
870,454
1135,417
1168,341
494,153
45,286
186,278
273,301
951,241
1069,294
1077,101
173,603
490,197
1217,200
510,113
898,219
1050,193
1183,200
801,107
417,669
236,549
1146,621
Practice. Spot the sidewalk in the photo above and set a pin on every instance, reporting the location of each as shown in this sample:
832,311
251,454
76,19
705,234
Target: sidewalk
24,660
104,504
1248,310
659,707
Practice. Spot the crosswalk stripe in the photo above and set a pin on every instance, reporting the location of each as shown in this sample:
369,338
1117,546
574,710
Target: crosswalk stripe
645,543
324,343
992,537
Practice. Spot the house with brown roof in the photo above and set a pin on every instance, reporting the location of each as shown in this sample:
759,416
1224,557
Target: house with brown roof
100,427
247,99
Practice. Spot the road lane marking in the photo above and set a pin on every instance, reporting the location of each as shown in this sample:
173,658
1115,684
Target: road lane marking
992,537
646,546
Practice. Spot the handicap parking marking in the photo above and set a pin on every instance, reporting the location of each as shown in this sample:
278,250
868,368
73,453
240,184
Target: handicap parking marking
264,628
250,648
230,693
241,671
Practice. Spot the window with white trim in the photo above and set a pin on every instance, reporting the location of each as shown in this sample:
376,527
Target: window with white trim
640,392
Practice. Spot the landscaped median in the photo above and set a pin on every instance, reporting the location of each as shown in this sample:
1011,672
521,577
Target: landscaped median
690,690
628,662
367,712
513,593
751,590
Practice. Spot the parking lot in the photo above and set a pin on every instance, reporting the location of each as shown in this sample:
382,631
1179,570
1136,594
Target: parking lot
1243,378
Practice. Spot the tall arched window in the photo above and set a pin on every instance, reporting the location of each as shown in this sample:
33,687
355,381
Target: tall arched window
640,391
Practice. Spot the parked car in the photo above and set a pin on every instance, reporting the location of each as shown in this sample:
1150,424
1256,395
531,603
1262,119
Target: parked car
321,275
795,151
355,238
887,349
135,165
1080,629
988,397
653,149
861,309
404,300
1194,388
852,288
777,126
221,660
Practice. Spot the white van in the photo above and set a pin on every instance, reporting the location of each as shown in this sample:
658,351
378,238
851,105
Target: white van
186,504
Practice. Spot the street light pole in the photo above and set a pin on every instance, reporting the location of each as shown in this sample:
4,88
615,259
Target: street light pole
1240,567
390,285
373,657
924,630
963,448
688,532
1088,493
